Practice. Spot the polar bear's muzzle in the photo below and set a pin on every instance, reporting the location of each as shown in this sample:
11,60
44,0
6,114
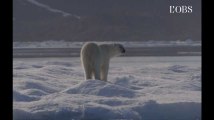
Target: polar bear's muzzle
123,50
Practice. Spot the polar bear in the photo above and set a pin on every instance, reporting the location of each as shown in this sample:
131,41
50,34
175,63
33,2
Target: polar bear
95,59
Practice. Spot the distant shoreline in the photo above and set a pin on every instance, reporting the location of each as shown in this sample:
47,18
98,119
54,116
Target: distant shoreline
131,52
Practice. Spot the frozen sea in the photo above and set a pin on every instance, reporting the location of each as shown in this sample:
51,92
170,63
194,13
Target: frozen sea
138,88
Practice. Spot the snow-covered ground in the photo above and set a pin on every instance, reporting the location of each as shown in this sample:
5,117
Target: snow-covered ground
65,44
138,88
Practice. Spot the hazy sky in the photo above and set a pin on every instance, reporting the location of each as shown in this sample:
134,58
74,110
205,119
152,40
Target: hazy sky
106,20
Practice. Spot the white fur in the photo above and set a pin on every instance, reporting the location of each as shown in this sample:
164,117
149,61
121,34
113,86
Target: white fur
95,59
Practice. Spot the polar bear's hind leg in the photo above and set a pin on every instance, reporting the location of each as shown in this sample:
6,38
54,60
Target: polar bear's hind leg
97,72
88,72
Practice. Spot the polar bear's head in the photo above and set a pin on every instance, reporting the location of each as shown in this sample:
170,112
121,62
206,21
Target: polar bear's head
117,49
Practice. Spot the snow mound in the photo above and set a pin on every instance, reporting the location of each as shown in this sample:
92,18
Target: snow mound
149,110
21,97
178,68
138,88
101,88
40,86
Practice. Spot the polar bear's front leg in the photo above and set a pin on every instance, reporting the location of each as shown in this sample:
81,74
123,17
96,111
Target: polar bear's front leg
104,72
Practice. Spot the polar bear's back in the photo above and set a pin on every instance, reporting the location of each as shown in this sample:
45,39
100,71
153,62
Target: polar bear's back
90,53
